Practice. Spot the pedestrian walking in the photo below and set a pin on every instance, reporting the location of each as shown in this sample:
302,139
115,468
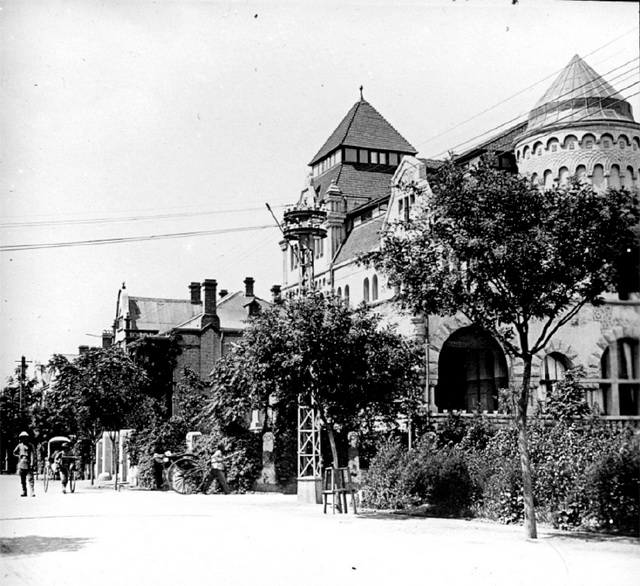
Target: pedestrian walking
25,453
61,463
217,470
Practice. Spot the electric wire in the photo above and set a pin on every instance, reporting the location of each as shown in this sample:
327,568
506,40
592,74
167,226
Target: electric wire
153,217
522,91
50,245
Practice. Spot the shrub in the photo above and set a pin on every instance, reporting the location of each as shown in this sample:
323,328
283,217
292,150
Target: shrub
613,486
384,483
446,484
161,437
242,456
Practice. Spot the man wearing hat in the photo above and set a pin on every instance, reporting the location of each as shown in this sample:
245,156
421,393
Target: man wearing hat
60,459
25,453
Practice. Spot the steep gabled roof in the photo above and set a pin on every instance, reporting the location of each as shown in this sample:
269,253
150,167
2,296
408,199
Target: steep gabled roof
233,310
158,315
358,183
498,143
364,127
579,94
363,238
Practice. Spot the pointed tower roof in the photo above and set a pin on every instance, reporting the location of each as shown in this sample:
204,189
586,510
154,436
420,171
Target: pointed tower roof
364,127
579,94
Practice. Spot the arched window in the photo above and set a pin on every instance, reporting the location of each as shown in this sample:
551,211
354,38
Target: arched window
552,370
598,177
620,382
365,290
346,293
374,288
581,172
628,178
570,142
548,179
339,291
614,177
563,175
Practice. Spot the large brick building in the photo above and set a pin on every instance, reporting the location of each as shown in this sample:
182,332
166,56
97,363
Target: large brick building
204,325
581,126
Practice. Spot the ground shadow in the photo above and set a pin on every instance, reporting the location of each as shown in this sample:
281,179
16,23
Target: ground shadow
592,537
37,544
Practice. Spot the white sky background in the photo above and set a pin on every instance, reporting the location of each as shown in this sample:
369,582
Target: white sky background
138,109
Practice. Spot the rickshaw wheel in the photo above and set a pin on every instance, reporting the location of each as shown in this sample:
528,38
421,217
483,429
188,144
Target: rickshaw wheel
45,478
72,480
185,476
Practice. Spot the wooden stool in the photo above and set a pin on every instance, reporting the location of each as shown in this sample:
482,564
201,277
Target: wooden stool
337,483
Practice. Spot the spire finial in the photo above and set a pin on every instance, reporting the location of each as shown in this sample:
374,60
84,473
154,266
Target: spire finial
361,96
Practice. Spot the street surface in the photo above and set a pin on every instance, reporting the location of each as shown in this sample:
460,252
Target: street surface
98,536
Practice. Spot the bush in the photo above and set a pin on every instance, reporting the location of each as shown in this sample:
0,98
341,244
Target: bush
613,486
161,437
446,484
384,483
242,456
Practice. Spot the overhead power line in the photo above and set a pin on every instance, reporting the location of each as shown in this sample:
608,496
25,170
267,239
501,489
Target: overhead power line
518,118
104,220
632,29
19,247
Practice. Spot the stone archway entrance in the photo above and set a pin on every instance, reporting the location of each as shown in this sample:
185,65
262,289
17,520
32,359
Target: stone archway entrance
471,369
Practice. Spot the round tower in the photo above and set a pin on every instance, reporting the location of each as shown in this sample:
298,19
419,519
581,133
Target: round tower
581,126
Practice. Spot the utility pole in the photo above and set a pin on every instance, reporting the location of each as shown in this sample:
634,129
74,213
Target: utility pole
23,376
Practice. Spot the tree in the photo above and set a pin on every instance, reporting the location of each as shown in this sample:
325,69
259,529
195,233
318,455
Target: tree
101,390
343,362
516,260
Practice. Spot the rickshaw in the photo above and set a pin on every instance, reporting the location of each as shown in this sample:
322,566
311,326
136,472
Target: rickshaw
187,473
50,472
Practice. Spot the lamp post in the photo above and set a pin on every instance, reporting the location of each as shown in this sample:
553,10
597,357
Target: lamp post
303,226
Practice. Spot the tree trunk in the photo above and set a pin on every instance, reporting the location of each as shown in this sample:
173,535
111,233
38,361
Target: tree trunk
332,443
523,447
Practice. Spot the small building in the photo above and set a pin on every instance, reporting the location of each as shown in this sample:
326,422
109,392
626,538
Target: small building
204,325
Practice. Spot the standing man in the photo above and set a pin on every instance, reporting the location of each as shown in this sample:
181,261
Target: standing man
61,460
217,470
25,453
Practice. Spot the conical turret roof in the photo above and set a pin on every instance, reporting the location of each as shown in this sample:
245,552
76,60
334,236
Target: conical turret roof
579,94
364,127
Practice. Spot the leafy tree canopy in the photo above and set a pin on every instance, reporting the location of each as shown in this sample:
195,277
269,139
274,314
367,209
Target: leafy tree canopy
508,255
319,351
100,390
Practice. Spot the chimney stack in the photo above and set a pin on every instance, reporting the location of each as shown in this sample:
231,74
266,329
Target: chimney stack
276,291
248,287
223,293
195,292
209,288
83,349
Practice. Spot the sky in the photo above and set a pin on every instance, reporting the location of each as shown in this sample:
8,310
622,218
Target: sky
126,127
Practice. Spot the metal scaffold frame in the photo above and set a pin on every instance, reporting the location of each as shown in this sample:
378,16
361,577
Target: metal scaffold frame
304,225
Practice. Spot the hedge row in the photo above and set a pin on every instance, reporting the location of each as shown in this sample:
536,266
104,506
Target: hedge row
585,474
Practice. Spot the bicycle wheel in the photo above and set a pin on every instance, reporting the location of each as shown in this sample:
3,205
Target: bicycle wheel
45,478
185,476
72,480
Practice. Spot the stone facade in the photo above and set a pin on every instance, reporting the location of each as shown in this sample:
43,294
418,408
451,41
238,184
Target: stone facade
581,126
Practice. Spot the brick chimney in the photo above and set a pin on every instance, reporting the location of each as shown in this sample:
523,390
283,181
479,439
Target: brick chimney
83,349
195,292
223,293
209,312
276,292
248,287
